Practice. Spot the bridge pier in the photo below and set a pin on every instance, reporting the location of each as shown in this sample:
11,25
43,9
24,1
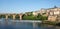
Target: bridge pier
6,16
14,17
20,15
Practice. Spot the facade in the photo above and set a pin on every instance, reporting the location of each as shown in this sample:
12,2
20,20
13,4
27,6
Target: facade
42,11
52,18
35,13
53,14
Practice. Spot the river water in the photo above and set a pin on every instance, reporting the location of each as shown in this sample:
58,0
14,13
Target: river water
8,24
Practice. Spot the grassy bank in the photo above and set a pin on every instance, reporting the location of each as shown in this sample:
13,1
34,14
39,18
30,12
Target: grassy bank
31,17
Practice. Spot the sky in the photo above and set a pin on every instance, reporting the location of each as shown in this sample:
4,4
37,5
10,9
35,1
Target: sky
21,6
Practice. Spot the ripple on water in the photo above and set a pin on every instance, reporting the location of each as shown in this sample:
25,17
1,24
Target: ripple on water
8,24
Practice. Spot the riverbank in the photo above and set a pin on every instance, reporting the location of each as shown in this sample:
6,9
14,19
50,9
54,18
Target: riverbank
51,23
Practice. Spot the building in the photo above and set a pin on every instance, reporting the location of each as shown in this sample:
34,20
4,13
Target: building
42,11
28,13
52,18
35,13
53,14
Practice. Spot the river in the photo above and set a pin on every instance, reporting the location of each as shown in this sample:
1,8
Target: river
8,24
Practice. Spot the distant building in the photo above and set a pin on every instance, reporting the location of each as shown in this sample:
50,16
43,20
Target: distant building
28,13
35,13
52,18
42,11
53,14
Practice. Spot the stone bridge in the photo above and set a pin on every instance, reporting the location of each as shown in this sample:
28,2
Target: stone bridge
13,16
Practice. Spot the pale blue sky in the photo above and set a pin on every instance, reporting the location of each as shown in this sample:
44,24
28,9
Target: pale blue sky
18,6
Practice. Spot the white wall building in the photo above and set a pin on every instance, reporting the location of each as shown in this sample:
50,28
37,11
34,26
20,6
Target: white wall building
56,12
35,13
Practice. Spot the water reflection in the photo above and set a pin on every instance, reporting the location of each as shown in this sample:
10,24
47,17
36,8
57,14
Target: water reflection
8,24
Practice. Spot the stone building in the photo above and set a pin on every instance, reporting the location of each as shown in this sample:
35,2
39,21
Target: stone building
27,13
53,14
52,18
42,11
35,13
